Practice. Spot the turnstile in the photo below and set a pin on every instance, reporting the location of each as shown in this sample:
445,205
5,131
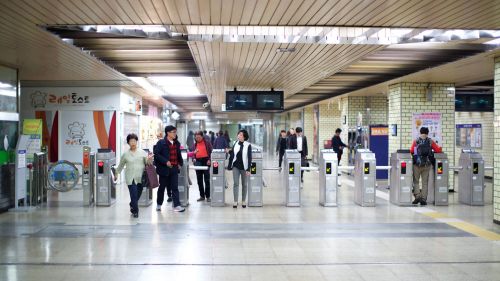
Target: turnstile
105,186
217,178
471,178
88,176
255,181
183,180
401,178
291,178
328,178
364,178
438,181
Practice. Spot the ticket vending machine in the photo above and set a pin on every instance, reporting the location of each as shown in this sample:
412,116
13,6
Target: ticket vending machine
328,178
471,178
255,182
217,178
364,178
401,178
183,180
105,186
291,178
438,181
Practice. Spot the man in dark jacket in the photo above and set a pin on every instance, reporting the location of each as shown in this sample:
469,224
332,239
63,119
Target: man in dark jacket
299,142
168,158
281,146
202,149
220,142
337,144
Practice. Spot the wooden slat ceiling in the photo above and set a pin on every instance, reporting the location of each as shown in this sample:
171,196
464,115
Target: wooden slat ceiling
257,66
477,14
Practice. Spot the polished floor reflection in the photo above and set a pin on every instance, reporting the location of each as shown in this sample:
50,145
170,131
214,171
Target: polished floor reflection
69,242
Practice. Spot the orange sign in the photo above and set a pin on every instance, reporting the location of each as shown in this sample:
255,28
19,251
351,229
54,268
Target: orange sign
382,131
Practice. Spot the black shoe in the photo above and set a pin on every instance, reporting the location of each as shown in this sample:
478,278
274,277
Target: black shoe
422,202
169,199
209,200
136,215
416,201
200,199
301,180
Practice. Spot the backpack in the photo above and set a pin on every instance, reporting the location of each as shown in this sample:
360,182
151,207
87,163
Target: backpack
423,152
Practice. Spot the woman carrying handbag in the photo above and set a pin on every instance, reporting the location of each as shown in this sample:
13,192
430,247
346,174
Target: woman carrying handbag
134,161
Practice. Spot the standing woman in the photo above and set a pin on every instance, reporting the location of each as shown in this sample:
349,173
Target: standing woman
239,162
135,160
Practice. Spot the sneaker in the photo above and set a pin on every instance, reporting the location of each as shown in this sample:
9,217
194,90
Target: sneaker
158,208
415,202
244,204
179,209
209,200
235,205
136,215
169,199
422,202
200,199
302,180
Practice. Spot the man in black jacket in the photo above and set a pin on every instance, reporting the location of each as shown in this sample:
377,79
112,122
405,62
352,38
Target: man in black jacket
337,144
299,142
281,146
168,158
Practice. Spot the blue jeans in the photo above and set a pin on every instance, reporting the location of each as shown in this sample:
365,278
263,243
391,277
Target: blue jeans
135,191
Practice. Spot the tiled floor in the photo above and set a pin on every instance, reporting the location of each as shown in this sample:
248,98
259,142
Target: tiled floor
269,243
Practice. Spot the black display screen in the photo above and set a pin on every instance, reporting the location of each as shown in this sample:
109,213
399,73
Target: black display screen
254,100
328,168
291,168
253,168
367,167
475,168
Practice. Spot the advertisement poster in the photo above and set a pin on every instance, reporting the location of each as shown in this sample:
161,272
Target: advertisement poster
431,120
469,135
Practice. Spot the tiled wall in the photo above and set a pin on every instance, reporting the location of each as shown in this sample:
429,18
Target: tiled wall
496,182
486,121
408,98
329,121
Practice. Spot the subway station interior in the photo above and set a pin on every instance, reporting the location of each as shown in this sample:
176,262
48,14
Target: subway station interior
289,139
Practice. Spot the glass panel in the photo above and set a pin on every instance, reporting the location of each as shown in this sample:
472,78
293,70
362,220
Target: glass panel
8,89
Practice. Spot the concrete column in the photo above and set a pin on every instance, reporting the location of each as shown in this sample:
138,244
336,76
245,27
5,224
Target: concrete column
408,98
496,149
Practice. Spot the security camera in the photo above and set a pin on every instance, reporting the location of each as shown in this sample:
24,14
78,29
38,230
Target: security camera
206,105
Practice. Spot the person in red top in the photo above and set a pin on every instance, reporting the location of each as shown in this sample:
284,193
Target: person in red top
202,149
422,151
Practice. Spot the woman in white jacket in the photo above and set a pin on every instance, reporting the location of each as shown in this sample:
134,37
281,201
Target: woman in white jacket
239,161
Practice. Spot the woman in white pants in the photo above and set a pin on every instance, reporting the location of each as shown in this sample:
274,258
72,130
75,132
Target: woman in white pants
240,161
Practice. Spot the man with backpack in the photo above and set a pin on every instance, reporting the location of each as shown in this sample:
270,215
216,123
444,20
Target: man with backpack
422,151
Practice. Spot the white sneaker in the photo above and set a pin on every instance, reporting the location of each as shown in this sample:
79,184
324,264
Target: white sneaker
179,209
158,208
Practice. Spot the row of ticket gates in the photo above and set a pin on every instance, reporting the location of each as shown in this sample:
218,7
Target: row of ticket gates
470,179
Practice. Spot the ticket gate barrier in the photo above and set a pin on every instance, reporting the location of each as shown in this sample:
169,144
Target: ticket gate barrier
364,178
401,178
471,178
328,178
105,186
217,178
88,176
184,179
437,192
39,181
255,180
291,178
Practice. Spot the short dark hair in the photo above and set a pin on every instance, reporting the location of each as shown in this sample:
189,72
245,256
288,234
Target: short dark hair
298,130
198,133
169,128
221,133
338,130
132,136
424,130
245,134
283,131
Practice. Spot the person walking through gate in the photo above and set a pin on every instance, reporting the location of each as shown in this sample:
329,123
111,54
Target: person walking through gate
134,161
240,161
220,141
281,146
299,142
202,149
168,158
422,151
338,145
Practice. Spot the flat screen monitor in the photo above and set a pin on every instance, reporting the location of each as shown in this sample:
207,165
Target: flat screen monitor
254,100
